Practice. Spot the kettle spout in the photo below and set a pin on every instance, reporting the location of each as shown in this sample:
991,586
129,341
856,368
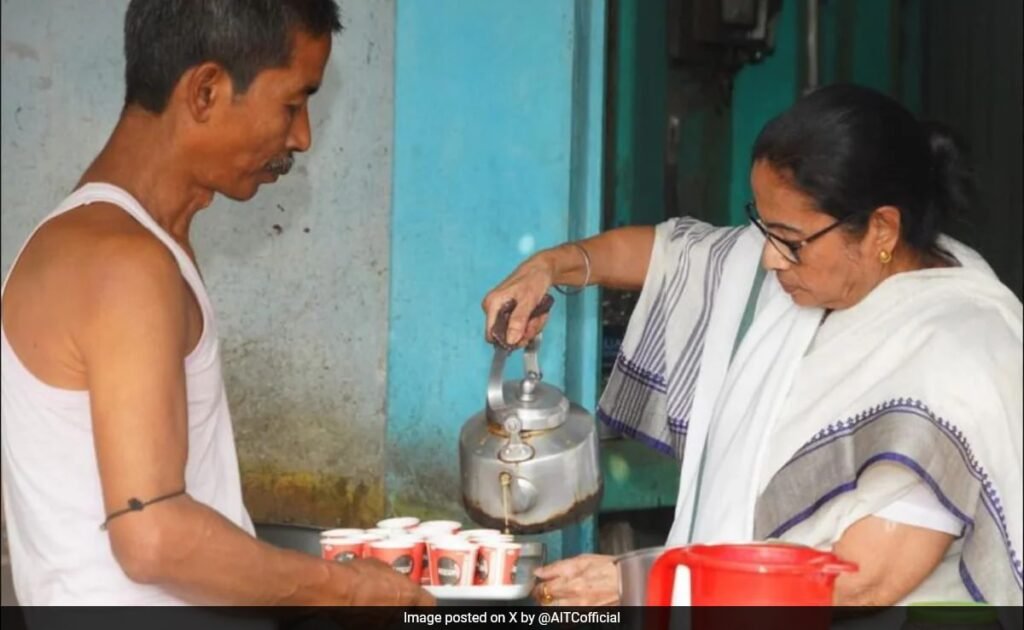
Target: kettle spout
518,494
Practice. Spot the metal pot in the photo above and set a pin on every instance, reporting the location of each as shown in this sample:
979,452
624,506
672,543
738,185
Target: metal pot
529,460
531,557
634,570
294,537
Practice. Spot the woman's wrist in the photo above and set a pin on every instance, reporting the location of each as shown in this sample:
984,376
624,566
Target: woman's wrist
568,264
545,262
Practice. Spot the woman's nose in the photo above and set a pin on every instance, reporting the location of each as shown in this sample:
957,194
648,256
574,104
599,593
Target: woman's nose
772,259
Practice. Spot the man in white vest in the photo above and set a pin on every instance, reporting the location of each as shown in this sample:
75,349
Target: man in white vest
121,481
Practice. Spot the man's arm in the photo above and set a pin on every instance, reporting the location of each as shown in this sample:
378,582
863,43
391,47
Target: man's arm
133,338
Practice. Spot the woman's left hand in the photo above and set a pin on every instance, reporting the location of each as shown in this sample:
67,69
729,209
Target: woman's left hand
587,580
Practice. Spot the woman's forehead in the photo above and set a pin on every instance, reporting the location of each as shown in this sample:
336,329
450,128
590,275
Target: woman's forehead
776,192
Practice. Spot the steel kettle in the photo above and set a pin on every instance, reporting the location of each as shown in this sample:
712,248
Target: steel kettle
529,460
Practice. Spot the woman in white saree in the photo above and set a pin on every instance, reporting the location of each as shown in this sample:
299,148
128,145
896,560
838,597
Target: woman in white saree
837,374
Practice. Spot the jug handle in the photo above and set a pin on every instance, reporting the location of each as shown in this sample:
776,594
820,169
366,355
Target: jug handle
834,566
662,579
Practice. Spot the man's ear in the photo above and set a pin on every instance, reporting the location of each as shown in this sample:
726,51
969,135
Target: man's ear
204,86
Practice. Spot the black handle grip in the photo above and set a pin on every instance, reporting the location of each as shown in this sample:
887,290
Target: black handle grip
500,328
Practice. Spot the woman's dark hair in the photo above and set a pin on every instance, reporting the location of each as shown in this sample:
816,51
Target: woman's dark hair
164,38
853,149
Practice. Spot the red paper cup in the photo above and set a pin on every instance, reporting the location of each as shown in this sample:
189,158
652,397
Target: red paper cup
494,538
401,522
425,565
420,573
341,549
381,534
404,555
470,534
345,532
366,539
452,561
496,563
440,527
420,552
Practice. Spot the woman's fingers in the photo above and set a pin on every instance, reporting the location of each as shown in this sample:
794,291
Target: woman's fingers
526,287
561,568
576,591
564,588
551,592
589,580
492,306
534,326
517,321
507,314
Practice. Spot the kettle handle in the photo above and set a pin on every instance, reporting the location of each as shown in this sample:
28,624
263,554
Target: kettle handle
662,579
495,387
495,393
499,329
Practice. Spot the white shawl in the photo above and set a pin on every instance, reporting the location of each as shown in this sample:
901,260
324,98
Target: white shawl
925,372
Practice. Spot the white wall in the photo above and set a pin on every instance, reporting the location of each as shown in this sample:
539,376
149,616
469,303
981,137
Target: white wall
299,275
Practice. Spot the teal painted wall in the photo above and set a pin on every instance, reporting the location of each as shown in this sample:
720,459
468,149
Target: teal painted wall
760,92
497,155
868,42
638,105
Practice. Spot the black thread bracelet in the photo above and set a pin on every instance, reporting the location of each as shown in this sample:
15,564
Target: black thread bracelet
134,505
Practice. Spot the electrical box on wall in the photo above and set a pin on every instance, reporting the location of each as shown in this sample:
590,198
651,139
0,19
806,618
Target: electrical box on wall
720,34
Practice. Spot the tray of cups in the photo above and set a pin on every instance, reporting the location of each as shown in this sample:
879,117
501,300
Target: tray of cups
449,562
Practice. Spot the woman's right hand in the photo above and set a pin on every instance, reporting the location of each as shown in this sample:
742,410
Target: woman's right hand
527,285
616,259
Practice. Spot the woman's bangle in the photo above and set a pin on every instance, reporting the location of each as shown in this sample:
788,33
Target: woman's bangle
586,280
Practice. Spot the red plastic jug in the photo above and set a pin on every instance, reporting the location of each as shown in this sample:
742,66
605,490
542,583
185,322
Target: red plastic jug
748,575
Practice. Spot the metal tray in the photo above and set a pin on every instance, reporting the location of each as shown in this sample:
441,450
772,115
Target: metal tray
482,593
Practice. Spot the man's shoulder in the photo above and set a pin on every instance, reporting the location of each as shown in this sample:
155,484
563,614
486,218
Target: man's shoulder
85,273
100,239
91,255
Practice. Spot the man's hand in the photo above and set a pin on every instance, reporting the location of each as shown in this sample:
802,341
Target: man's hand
376,584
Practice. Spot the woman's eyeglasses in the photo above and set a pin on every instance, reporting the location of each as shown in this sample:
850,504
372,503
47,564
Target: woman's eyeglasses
790,250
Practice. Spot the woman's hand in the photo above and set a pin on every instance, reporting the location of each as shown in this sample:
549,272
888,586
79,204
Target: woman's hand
616,259
526,286
587,580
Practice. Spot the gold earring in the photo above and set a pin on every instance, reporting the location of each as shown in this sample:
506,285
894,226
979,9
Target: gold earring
884,257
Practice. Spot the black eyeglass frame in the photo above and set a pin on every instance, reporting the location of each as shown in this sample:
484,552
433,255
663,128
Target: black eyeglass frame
793,246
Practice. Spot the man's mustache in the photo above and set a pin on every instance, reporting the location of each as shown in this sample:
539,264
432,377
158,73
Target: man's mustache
281,164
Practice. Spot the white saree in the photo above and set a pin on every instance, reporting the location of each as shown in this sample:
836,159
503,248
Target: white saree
812,426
